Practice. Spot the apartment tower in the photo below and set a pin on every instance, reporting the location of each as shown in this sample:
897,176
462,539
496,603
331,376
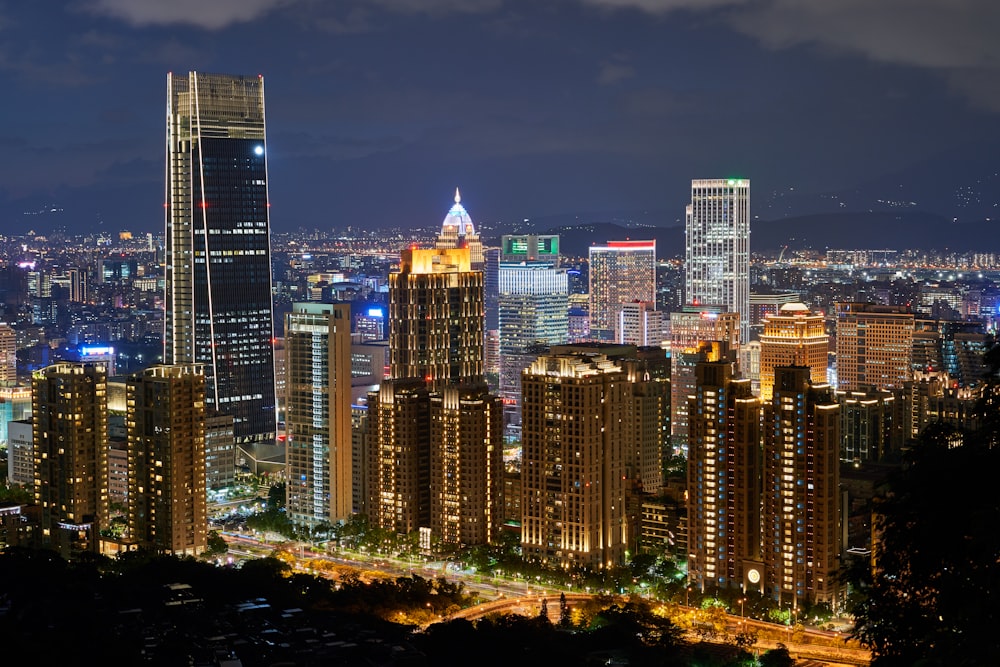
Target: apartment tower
166,425
574,427
70,449
318,447
435,432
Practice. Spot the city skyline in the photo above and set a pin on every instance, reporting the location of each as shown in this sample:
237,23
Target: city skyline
797,98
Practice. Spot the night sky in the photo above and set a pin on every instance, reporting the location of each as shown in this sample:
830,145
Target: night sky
377,109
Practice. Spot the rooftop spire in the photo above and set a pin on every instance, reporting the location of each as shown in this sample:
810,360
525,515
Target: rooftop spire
458,197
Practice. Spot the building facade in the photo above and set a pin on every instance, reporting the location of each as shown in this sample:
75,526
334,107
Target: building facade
794,336
874,346
717,247
70,444
534,305
434,430
573,461
801,519
724,472
218,311
167,493
620,272
318,448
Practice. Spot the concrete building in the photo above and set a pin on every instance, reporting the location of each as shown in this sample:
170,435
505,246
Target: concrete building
70,442
794,336
724,472
801,519
573,460
874,345
620,272
318,413
167,497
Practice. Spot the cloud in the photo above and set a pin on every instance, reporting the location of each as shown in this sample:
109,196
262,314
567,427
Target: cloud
208,14
954,38
614,72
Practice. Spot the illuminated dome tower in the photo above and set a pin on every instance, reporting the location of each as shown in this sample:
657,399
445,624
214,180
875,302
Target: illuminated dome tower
457,231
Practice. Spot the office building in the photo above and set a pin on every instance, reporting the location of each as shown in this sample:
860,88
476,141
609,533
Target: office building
318,447
167,501
874,345
870,425
69,415
218,272
724,472
717,247
533,304
640,324
20,453
620,272
15,403
801,515
574,423
794,336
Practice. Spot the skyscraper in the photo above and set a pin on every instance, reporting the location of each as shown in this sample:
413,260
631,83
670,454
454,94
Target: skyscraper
874,345
639,323
794,336
318,413
801,509
717,238
724,489
218,310
458,231
574,429
70,433
166,422
534,310
8,355
434,450
620,272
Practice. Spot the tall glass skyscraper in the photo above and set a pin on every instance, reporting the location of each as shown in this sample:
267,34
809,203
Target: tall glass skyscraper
218,270
717,236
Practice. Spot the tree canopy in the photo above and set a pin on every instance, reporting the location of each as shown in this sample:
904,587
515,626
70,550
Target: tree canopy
933,595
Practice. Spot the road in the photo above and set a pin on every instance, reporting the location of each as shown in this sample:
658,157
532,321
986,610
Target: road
820,647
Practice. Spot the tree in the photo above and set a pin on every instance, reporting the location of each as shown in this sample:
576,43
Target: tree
216,545
932,596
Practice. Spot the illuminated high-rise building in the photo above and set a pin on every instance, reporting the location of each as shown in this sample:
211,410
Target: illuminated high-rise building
218,310
620,272
717,239
165,421
534,310
724,473
8,355
692,331
574,427
801,509
639,323
874,345
458,231
435,454
318,447
794,336
70,449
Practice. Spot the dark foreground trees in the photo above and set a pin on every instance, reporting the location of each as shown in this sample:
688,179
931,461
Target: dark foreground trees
934,594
